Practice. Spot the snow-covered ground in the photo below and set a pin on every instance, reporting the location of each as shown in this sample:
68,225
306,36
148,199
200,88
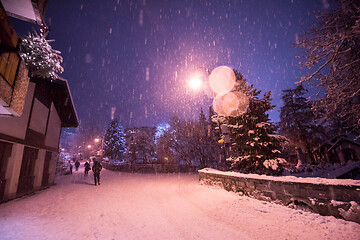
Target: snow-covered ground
166,206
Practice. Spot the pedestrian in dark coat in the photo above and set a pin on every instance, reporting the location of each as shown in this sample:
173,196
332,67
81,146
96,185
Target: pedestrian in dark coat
77,164
96,168
87,167
70,167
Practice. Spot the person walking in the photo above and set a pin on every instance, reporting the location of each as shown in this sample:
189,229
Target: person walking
77,164
70,166
96,168
87,167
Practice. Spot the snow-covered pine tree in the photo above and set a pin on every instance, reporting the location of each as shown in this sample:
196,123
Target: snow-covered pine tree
41,59
332,54
256,148
297,120
114,141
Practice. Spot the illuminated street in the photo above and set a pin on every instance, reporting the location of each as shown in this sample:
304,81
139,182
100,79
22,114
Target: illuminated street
160,101
167,206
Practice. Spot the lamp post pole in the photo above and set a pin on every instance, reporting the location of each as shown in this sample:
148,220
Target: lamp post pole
222,128
98,146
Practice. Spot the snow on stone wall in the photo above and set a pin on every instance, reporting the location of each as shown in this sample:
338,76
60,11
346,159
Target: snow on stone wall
336,197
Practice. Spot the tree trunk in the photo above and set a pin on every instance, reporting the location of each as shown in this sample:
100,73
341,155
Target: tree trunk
301,158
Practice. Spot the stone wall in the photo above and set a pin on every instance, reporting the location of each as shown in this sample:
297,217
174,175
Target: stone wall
339,200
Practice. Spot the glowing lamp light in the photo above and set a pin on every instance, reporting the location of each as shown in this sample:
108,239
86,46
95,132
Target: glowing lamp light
222,79
231,104
97,140
217,104
89,146
227,101
195,83
235,103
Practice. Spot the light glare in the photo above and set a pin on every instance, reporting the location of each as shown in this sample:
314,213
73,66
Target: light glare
195,83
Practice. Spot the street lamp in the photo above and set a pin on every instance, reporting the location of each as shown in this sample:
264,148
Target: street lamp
205,81
98,145
195,83
226,101
199,82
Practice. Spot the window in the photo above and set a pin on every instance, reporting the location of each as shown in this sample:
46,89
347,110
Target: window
9,63
9,47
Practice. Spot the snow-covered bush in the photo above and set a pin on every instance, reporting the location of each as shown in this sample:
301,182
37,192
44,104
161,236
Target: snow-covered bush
274,164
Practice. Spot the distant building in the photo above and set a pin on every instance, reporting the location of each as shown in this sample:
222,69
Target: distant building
340,149
32,112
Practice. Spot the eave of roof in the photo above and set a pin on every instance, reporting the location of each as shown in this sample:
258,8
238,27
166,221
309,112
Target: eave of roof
62,99
27,10
71,120
341,140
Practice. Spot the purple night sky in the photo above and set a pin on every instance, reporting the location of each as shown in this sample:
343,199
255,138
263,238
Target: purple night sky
136,56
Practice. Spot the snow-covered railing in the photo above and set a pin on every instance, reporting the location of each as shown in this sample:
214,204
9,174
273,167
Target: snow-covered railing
335,197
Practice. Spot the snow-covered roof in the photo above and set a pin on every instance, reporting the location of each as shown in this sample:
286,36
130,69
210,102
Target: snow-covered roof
27,10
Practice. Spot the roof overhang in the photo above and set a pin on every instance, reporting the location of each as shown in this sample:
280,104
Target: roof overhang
64,103
343,139
28,10
62,99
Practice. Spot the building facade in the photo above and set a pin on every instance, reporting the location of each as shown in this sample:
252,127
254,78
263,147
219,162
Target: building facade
32,112
341,149
29,144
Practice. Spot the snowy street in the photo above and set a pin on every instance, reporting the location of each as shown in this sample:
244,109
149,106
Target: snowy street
261,98
165,206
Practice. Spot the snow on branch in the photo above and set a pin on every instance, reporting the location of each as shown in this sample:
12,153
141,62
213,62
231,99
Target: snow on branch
332,55
41,59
